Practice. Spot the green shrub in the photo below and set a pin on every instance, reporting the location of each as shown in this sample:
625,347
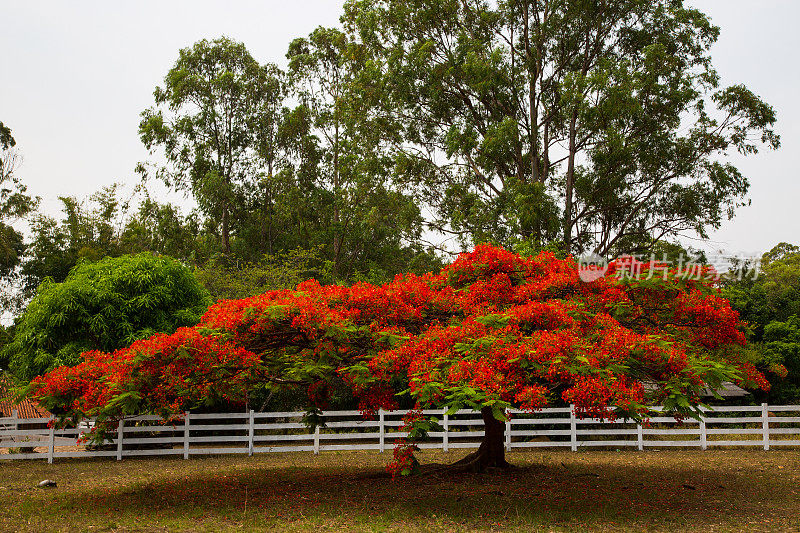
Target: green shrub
230,279
103,305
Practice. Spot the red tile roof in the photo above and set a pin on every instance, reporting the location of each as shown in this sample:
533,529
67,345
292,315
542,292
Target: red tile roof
25,409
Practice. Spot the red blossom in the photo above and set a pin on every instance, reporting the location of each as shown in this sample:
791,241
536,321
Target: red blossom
491,327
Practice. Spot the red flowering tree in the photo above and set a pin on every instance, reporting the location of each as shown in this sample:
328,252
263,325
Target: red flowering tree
491,331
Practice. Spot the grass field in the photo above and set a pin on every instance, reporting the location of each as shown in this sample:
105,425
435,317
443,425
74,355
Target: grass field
719,490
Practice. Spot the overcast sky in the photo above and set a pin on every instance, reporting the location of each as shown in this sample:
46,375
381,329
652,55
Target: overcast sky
76,75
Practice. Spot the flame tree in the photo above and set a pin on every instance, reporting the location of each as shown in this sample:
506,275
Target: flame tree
491,331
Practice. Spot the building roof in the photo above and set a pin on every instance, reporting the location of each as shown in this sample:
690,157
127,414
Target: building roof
25,409
726,389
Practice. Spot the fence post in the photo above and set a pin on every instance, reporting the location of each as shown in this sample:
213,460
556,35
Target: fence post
15,416
446,427
381,431
81,431
573,428
120,433
639,436
508,431
251,433
765,424
316,440
703,430
186,435
52,444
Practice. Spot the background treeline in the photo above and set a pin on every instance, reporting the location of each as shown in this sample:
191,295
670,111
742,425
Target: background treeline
770,304
576,126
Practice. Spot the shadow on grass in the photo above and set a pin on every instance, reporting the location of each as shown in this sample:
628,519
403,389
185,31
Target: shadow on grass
557,493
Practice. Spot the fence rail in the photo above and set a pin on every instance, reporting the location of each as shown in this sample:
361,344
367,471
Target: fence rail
251,433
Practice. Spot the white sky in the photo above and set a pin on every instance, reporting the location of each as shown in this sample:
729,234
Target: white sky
76,75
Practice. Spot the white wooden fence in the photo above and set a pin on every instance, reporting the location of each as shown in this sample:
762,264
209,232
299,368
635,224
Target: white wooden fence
249,433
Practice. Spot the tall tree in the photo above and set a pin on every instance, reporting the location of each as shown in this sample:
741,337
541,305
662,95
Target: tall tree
15,203
600,124
370,219
207,119
273,143
275,177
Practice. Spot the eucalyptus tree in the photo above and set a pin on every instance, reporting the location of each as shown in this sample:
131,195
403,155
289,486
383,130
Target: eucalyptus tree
599,124
372,222
272,143
15,204
207,121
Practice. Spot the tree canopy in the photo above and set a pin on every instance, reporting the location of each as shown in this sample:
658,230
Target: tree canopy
102,305
205,121
770,304
282,160
107,225
15,203
490,331
601,125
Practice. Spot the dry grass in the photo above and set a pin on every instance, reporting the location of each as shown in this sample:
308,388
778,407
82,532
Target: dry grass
717,490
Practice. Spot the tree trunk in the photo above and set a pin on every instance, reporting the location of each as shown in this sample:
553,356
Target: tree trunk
570,183
533,108
267,219
226,238
337,237
492,452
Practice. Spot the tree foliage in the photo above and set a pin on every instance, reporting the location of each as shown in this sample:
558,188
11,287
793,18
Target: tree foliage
108,225
226,279
278,161
206,119
490,331
770,304
15,204
602,125
369,218
102,305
